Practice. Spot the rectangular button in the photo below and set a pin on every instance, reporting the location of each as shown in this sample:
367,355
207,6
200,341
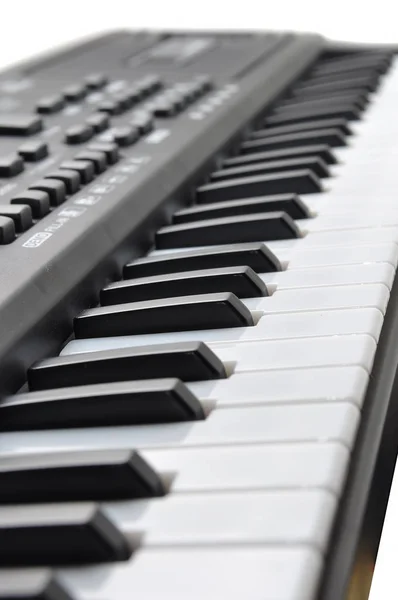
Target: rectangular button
241,281
228,230
255,255
188,361
19,124
289,182
54,534
205,311
120,403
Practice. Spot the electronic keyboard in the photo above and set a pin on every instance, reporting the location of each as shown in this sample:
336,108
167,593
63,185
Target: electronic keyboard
198,308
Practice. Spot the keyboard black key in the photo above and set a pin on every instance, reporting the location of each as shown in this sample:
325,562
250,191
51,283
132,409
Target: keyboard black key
329,137
77,134
229,230
350,100
287,182
50,104
185,313
33,151
101,405
7,230
340,124
77,476
241,281
19,124
98,121
188,361
71,179
309,113
291,204
84,168
364,82
55,188
11,165
316,165
30,584
39,202
322,152
257,256
75,92
97,158
20,214
376,65
55,534
111,151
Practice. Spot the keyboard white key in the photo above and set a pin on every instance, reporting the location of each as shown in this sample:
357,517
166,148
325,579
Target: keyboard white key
252,573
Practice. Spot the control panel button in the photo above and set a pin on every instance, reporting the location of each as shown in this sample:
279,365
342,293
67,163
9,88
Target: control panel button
50,105
98,121
125,136
84,168
55,188
96,81
112,107
98,159
7,230
144,121
19,124
71,179
74,93
21,215
78,134
39,202
111,150
11,165
33,151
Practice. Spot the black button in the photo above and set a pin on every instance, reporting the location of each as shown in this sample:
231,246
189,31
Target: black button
11,165
288,203
125,99
111,107
188,361
111,150
143,121
99,405
21,215
74,93
149,84
257,256
316,165
18,124
185,313
95,81
287,182
136,94
55,188
190,91
241,281
84,168
125,136
229,230
50,105
205,82
98,159
77,134
39,202
98,121
60,534
320,151
7,230
178,100
164,108
33,151
340,124
77,476
70,178
30,584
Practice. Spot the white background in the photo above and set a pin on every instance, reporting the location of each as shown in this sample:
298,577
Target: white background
33,26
